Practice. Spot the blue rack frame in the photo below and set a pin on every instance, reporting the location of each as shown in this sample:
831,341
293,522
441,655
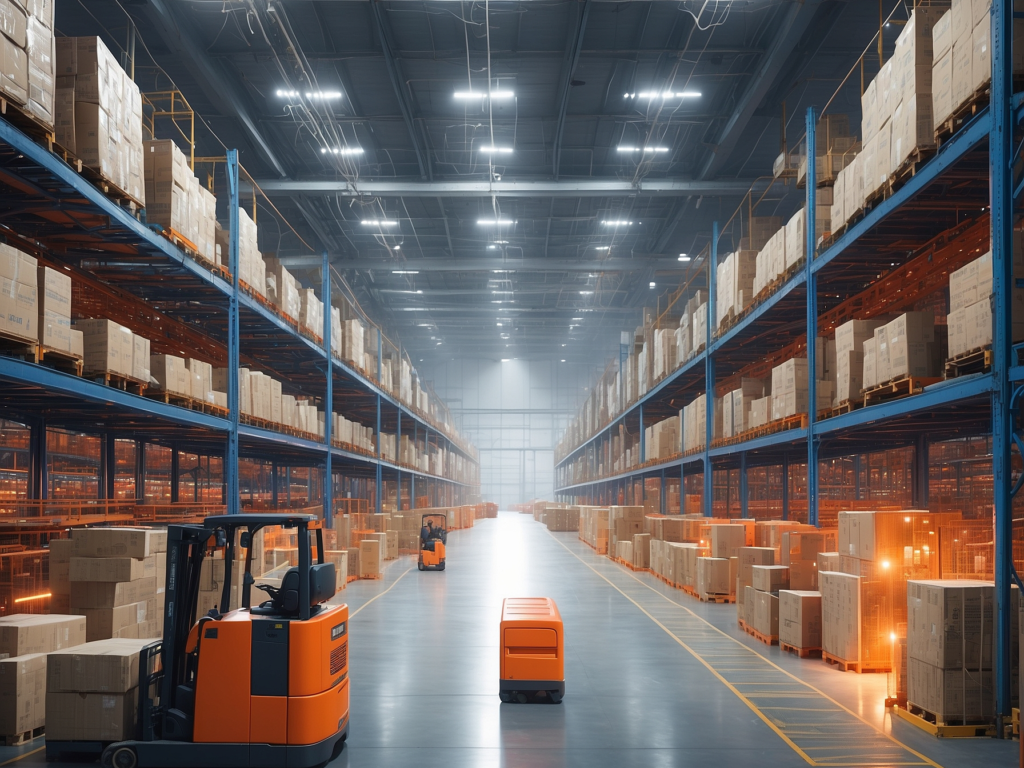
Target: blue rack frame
49,183
983,149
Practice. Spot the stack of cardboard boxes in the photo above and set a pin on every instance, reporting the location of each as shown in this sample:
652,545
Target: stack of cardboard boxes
594,527
850,346
117,580
55,332
800,619
623,524
790,392
661,440
372,553
18,294
26,61
905,346
950,642
25,641
970,302
111,348
92,691
747,558
734,285
562,519
761,599
736,407
98,113
176,200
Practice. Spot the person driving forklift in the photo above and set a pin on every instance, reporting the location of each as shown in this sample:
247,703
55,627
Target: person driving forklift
427,537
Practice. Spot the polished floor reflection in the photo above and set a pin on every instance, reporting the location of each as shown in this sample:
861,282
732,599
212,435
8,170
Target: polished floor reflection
653,677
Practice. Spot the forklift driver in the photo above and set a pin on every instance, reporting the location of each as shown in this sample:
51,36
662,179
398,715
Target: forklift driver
427,536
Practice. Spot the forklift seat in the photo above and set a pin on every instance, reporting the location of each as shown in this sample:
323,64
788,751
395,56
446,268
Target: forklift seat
284,600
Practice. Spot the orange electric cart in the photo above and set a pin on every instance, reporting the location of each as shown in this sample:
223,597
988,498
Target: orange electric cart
532,650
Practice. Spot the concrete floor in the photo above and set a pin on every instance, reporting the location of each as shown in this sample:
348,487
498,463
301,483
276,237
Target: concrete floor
653,677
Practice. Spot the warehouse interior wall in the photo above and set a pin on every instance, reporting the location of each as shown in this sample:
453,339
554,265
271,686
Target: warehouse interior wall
514,412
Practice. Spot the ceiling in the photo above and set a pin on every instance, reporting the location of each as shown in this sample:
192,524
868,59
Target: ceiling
388,141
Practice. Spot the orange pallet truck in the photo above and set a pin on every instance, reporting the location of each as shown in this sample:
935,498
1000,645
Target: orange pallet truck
433,540
532,651
262,685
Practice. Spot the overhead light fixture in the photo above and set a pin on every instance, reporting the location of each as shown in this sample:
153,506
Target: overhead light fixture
652,285
496,150
492,247
341,150
414,309
577,318
602,247
323,94
563,359
683,257
379,222
617,223
501,242
645,149
480,95
493,222
663,95
404,271
287,94
500,271
506,359
500,325
397,248
586,293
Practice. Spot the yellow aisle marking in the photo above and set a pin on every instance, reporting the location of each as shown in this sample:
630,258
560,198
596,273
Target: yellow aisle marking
22,757
745,699
357,610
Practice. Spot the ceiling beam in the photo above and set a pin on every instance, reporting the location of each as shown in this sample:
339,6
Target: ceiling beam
486,265
180,40
795,22
383,29
553,188
572,59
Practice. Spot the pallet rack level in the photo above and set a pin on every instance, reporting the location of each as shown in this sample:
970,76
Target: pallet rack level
977,404
105,241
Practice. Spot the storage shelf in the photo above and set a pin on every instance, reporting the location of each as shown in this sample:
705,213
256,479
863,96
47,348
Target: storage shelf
48,201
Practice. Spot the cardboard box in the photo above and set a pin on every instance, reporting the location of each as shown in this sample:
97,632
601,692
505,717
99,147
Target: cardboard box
22,693
713,576
770,578
766,614
105,666
23,633
727,539
87,595
840,615
108,346
112,568
950,694
371,558
91,716
950,624
138,543
104,623
800,618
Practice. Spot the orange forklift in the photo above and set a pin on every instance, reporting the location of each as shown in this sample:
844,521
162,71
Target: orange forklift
433,538
262,685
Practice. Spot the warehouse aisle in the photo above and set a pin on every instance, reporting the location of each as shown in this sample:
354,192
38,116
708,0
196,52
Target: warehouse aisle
649,681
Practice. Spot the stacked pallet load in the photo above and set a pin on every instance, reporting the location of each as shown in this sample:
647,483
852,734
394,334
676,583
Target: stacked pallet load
109,349
734,286
737,405
768,237
905,348
662,439
98,114
950,644
800,553
850,341
54,300
969,321
716,573
594,527
624,522
27,73
835,148
790,390
25,641
747,558
761,601
562,519
800,620
117,581
92,692
864,586
18,301
177,201
372,553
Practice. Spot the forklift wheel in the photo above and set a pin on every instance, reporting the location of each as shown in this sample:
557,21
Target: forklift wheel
122,757
505,697
520,697
441,568
420,564
555,696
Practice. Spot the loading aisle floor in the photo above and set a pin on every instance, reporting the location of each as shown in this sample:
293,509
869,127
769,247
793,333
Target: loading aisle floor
653,677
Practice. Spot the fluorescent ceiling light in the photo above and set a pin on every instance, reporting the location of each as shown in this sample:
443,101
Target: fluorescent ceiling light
563,359
586,293
497,150
501,242
653,285
577,318
292,94
397,248
500,325
602,247
500,271
474,95
491,247
506,359
683,257
341,150
645,149
663,95
617,223
414,309
379,222
492,222
404,271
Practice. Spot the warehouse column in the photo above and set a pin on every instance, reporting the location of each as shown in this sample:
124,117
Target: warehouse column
175,472
661,502
40,484
643,436
325,295
412,477
709,378
273,484
856,477
231,453
744,506
785,487
812,321
398,459
140,473
1000,154
109,465
921,472
377,491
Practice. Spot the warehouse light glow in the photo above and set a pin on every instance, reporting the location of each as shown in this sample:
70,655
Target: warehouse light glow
341,150
474,95
683,257
493,222
40,596
379,222
404,271
663,95
645,149
617,223
496,150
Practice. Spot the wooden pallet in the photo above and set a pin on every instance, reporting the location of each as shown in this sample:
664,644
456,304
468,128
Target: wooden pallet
851,666
977,102
766,639
838,410
896,389
688,590
60,360
803,653
716,598
118,381
15,346
978,361
17,739
909,168
38,130
931,723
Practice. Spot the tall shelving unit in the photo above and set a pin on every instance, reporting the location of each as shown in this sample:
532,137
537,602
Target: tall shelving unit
49,208
949,197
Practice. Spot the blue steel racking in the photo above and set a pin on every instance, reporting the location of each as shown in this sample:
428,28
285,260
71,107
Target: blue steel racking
983,150
95,234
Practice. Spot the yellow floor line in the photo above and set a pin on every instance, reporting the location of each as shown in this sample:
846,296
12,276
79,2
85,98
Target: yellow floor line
730,686
357,610
22,757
